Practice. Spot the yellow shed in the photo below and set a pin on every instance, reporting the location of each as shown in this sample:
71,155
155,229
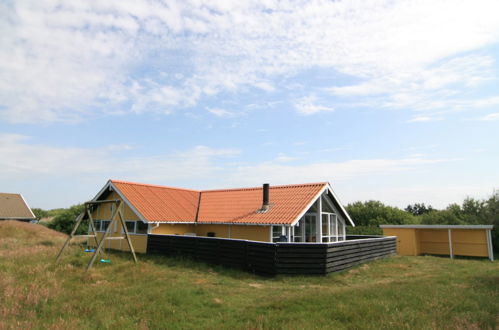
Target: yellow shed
463,240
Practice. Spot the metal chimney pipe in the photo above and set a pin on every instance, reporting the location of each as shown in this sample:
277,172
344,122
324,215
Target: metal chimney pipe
265,195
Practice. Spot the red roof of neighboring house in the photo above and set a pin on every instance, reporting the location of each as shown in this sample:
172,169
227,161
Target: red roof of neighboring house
167,204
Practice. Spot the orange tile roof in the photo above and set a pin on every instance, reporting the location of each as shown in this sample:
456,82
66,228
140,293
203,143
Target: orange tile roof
159,203
241,205
167,204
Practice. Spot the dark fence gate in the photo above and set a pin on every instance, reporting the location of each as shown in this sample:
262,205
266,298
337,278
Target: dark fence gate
275,258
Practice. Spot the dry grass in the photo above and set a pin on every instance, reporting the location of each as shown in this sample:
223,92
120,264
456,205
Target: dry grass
400,292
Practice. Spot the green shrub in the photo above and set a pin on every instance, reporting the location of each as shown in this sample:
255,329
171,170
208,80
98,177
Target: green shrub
375,213
65,220
40,213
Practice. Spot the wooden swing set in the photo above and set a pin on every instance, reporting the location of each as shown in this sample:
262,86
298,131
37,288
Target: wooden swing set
116,217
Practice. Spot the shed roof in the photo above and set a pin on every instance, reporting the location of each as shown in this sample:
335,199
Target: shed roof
154,203
13,206
438,226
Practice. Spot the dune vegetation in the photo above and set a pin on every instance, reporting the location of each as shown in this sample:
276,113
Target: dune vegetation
160,292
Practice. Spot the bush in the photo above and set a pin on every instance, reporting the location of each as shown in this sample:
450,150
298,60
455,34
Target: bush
40,213
375,213
441,217
65,220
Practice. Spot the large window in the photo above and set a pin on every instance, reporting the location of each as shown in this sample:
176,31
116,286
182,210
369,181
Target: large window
136,227
333,228
320,224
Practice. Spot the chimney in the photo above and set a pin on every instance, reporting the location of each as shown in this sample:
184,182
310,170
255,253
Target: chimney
265,203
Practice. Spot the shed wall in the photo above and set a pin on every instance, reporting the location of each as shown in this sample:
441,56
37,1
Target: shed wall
414,241
407,240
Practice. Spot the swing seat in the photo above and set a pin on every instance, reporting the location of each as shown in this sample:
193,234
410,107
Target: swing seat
89,250
105,261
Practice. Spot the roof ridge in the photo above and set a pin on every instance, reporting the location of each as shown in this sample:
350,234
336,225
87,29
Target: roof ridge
1,193
221,189
152,185
271,187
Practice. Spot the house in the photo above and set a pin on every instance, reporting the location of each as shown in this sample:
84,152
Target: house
14,207
308,212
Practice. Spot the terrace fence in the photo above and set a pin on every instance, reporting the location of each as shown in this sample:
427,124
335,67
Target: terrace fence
275,258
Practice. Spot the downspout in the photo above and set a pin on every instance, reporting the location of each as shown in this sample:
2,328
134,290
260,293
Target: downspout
150,229
197,214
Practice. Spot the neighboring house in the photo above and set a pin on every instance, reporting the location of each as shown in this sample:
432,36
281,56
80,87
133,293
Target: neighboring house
288,213
14,207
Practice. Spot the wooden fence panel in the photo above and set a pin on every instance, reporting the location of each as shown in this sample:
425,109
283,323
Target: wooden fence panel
275,258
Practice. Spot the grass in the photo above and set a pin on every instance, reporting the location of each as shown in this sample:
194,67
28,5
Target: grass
394,293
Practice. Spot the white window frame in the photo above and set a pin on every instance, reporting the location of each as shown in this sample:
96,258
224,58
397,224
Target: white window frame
135,228
97,227
283,232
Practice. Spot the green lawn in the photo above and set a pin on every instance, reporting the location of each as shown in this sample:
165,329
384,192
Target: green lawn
159,292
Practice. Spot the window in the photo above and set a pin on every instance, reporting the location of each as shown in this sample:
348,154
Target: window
310,228
298,229
333,223
327,205
141,227
136,227
335,230
97,225
130,226
279,234
341,230
104,225
325,228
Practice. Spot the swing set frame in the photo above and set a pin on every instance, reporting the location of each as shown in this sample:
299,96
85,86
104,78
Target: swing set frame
116,217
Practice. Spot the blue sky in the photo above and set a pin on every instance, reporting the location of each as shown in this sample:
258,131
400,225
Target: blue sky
396,101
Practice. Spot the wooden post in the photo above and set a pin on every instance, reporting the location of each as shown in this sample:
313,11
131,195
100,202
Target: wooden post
101,243
489,244
78,221
125,230
91,224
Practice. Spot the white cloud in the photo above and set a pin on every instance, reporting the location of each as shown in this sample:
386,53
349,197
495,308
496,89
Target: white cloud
418,119
427,87
309,106
283,158
222,113
321,171
64,60
55,170
491,116
21,159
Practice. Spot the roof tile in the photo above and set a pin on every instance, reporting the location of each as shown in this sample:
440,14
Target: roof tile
167,204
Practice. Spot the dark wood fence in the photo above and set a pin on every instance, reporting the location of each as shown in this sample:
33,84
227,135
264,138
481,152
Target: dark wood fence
275,258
